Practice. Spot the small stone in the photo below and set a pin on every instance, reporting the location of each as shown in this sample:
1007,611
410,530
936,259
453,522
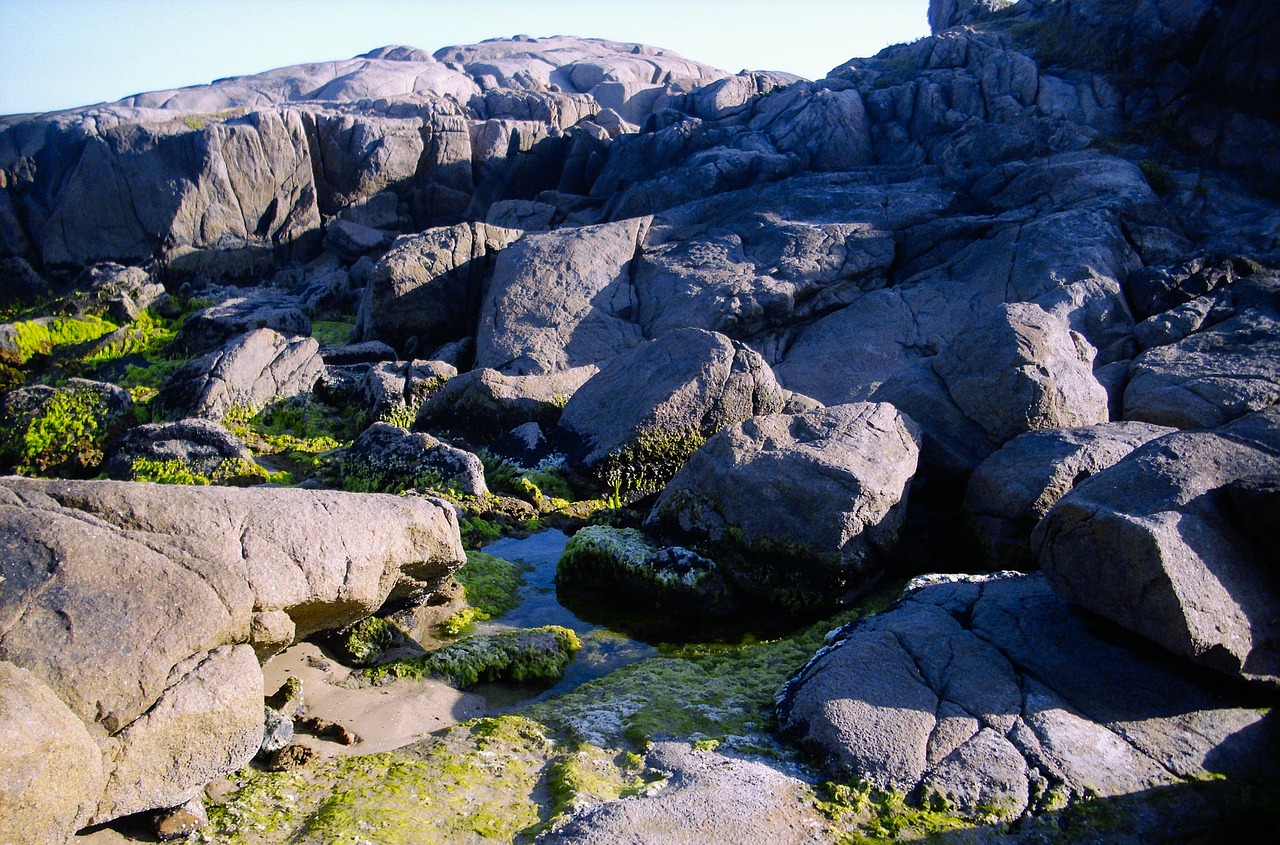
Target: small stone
288,699
326,729
178,822
292,756
277,731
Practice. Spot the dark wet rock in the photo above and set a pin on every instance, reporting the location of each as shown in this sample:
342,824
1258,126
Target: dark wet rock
526,655
709,796
799,510
201,446
1154,543
1210,377
367,352
561,300
989,693
1154,290
623,562
20,284
485,403
61,430
637,421
1010,491
388,458
525,445
426,290
255,308
248,372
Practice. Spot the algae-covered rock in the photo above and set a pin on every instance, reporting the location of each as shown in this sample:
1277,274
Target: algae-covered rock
388,459
202,450
60,430
624,562
528,655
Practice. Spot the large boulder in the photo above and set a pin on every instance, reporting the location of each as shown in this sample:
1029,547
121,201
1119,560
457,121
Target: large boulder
249,372
562,299
138,605
1177,542
990,694
61,430
1010,491
635,422
426,290
1210,377
800,509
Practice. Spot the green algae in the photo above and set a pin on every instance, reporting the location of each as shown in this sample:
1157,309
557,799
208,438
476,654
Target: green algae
528,655
491,586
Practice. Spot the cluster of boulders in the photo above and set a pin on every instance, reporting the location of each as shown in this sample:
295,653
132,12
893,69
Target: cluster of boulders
991,290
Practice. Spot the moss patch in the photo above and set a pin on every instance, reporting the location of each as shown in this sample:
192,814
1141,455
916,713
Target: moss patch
647,462
531,655
65,431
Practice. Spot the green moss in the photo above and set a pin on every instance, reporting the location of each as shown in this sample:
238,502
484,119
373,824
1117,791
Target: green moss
66,430
298,434
364,642
169,471
330,333
492,584
647,462
476,531
147,336
44,336
865,815
531,655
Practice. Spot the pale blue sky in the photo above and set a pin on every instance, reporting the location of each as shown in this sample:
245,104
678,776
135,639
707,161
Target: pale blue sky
58,54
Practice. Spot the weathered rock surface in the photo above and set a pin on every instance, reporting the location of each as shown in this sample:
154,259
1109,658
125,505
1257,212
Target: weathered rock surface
1168,543
386,457
121,293
1010,491
798,509
392,385
709,797
250,371
201,446
991,693
258,308
561,300
486,403
636,421
135,604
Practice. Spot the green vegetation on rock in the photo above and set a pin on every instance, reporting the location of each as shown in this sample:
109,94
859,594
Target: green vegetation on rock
529,655
647,462
491,585
67,429
362,643
44,336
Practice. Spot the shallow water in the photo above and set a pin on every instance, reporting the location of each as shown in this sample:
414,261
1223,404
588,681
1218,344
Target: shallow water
603,650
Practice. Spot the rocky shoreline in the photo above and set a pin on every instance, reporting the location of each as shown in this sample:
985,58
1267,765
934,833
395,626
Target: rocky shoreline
279,354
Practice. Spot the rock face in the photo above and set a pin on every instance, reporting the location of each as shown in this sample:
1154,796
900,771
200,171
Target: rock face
1174,543
991,694
1010,491
799,509
250,371
635,422
136,604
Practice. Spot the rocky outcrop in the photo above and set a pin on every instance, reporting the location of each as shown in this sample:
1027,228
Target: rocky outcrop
136,605
988,693
248,372
799,510
633,424
238,314
1013,489
1173,542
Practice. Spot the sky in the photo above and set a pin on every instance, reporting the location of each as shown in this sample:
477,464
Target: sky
57,54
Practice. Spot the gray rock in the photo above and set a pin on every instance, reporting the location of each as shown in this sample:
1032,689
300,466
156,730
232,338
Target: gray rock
20,284
121,293
257,308
797,509
1154,544
944,14
277,731
1010,491
561,300
202,446
635,422
251,371
392,385
1155,290
72,425
523,445
180,574
53,768
991,694
709,796
388,458
485,403
367,352
1024,372
426,290
1209,378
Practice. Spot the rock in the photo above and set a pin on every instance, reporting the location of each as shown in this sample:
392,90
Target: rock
944,14
622,561
367,352
638,420
526,655
271,632
180,822
288,700
1154,290
1210,377
387,458
20,284
402,385
201,447
351,240
53,768
1154,544
561,300
277,731
61,430
485,403
327,729
426,290
178,573
1025,372
290,758
258,308
1010,491
990,694
523,445
121,293
798,510
709,796
251,371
